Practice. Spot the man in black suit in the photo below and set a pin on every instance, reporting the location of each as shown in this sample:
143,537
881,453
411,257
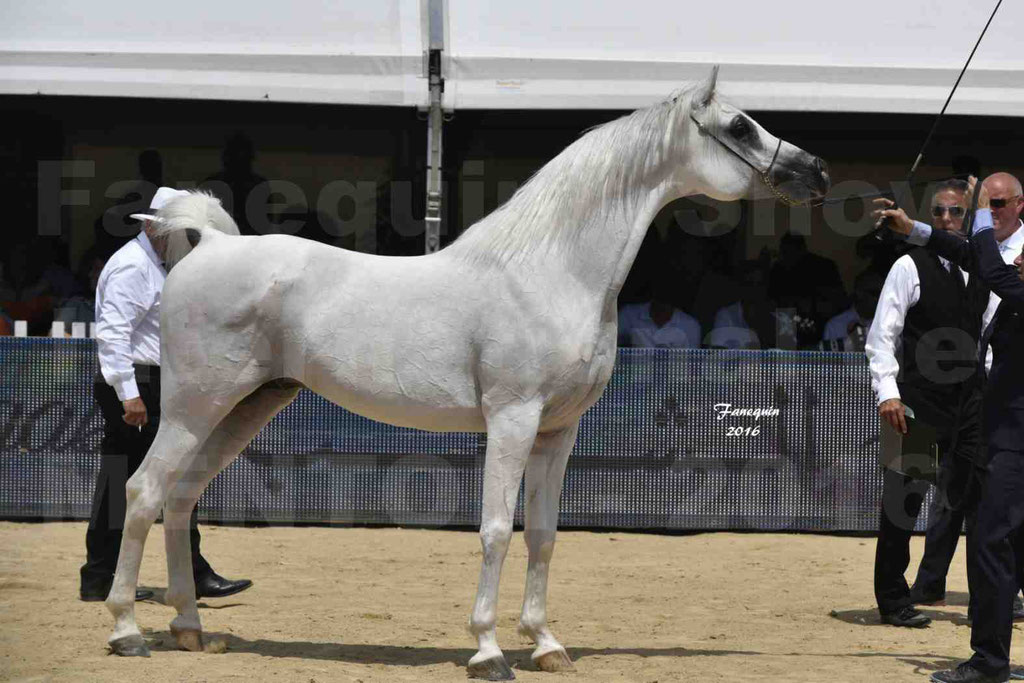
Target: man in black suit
994,560
924,308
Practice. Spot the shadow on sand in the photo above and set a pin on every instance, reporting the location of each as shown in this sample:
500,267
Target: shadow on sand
870,617
518,658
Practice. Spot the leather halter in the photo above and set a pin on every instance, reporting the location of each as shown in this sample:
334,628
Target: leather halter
764,175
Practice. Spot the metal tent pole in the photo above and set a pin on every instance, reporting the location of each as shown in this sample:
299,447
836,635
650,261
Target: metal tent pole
435,118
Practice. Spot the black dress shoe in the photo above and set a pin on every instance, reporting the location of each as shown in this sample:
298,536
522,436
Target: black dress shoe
920,597
92,595
213,585
906,616
966,673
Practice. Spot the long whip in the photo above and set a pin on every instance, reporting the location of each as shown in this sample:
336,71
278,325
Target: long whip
878,233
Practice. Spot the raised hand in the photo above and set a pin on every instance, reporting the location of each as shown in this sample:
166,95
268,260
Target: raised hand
900,222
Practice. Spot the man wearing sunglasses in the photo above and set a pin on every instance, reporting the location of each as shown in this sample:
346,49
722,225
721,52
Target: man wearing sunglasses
923,306
996,560
1004,193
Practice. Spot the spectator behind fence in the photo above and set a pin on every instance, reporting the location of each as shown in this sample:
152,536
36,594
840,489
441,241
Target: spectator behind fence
81,307
233,184
6,322
115,226
658,323
808,284
848,330
752,322
36,277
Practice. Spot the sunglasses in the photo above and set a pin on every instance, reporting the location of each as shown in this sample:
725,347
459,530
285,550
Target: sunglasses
1000,203
954,211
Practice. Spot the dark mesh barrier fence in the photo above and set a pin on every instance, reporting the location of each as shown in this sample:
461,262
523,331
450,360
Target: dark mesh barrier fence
680,440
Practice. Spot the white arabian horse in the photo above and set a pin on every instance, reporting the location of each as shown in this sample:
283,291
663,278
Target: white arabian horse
510,330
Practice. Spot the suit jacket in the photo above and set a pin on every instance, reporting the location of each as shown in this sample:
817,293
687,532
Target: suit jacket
1004,389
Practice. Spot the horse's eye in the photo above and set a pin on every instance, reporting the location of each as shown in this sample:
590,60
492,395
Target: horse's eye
740,128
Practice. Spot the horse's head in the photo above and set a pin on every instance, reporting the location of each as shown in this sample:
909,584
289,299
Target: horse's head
731,155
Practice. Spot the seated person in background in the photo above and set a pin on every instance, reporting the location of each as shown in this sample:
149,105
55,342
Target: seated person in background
658,323
848,330
81,307
808,283
752,322
34,281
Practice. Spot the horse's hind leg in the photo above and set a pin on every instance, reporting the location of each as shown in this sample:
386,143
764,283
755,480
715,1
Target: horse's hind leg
172,449
545,471
231,435
510,436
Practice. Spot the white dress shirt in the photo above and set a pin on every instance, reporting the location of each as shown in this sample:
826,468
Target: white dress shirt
838,326
902,289
128,314
731,331
637,328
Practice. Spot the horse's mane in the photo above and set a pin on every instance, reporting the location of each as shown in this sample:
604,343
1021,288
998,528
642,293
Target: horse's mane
597,175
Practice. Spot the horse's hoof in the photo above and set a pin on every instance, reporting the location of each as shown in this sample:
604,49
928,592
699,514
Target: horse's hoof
493,669
188,639
554,662
129,646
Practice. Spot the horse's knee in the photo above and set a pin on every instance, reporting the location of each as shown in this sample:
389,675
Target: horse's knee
540,543
143,506
495,537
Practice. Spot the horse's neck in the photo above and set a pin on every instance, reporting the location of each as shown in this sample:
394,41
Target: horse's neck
610,245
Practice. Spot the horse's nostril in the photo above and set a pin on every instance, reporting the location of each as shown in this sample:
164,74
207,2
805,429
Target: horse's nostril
822,167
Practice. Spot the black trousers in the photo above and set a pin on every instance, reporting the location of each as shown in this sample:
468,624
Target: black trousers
995,561
121,452
902,498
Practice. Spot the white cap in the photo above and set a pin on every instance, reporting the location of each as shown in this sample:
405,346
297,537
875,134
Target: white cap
162,196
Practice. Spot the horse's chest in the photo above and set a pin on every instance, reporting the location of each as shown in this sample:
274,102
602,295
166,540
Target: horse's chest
581,382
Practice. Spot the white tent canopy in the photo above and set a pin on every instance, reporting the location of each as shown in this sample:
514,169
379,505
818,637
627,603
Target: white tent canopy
869,56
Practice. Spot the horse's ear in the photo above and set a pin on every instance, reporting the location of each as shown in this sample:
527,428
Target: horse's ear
707,90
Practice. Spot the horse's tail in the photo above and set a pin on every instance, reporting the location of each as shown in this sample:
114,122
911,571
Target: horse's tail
189,220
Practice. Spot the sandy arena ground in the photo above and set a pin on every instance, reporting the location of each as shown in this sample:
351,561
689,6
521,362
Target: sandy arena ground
392,605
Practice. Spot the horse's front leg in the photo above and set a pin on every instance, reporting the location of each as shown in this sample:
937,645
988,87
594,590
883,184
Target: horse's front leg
545,471
510,436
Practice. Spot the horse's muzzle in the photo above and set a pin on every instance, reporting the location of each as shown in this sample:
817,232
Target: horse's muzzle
805,179
824,182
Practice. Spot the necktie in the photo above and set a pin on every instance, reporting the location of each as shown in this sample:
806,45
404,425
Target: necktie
958,279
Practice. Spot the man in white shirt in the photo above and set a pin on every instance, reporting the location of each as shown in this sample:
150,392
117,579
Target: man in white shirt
994,563
921,349
658,323
128,394
753,322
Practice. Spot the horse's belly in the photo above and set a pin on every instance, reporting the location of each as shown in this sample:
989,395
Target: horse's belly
386,397
428,418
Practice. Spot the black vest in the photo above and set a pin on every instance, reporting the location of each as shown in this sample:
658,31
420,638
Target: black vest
940,334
